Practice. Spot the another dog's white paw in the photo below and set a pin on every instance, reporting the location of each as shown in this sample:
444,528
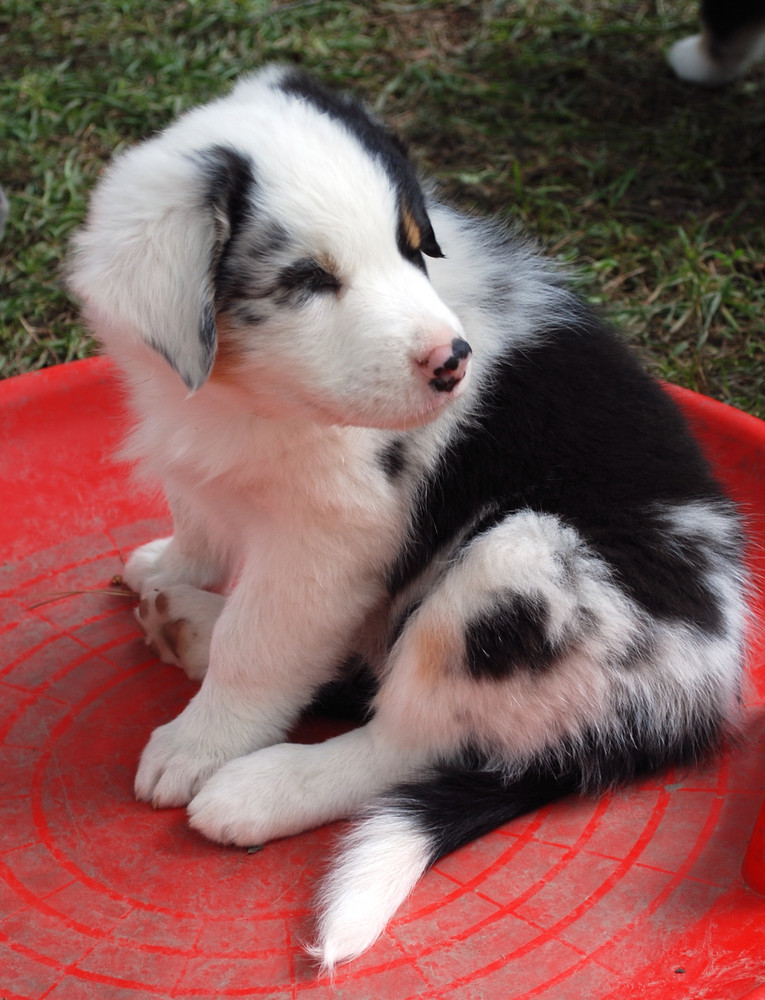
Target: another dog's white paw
174,766
276,792
691,61
178,622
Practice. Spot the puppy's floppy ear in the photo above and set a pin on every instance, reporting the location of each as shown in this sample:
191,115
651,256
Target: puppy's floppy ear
144,264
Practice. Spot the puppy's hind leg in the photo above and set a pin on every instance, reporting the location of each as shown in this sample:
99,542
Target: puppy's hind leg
487,672
178,623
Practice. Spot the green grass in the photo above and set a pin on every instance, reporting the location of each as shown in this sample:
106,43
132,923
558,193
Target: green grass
563,116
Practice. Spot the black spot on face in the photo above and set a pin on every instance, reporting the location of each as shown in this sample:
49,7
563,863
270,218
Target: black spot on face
272,239
260,270
511,636
248,265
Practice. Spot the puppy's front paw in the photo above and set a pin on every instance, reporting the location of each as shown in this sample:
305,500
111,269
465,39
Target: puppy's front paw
256,798
178,622
174,766
228,810
145,564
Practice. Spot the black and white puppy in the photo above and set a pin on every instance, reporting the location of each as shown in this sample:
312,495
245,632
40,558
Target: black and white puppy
731,40
387,430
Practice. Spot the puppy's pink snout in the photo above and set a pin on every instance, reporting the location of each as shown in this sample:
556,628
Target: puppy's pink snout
446,365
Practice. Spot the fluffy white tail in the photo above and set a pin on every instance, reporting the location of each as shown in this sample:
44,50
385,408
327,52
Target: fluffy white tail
382,861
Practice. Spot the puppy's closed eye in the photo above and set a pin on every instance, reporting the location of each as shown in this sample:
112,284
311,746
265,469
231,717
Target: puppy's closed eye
306,277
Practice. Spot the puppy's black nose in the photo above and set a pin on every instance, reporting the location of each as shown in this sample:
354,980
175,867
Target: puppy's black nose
447,364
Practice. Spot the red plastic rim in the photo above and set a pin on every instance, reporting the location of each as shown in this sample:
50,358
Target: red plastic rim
639,895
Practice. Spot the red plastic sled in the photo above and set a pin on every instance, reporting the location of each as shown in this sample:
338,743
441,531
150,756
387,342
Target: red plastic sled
638,895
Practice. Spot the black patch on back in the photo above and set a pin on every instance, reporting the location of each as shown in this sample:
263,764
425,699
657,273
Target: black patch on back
573,427
665,580
385,146
511,635
392,459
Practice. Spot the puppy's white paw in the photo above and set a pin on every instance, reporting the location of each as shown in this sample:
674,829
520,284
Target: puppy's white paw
174,766
145,564
275,792
178,622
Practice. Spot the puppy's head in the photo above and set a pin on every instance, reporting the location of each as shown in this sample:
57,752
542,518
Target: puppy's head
276,240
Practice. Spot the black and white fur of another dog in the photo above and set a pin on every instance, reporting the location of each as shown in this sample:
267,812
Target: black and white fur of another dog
731,40
388,433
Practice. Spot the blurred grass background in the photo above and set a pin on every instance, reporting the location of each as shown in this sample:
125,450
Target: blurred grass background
561,115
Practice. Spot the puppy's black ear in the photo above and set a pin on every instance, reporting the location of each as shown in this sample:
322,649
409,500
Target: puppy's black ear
145,262
429,243
230,182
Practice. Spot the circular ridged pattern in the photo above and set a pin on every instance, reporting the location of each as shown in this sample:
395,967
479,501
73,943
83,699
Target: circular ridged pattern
101,896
